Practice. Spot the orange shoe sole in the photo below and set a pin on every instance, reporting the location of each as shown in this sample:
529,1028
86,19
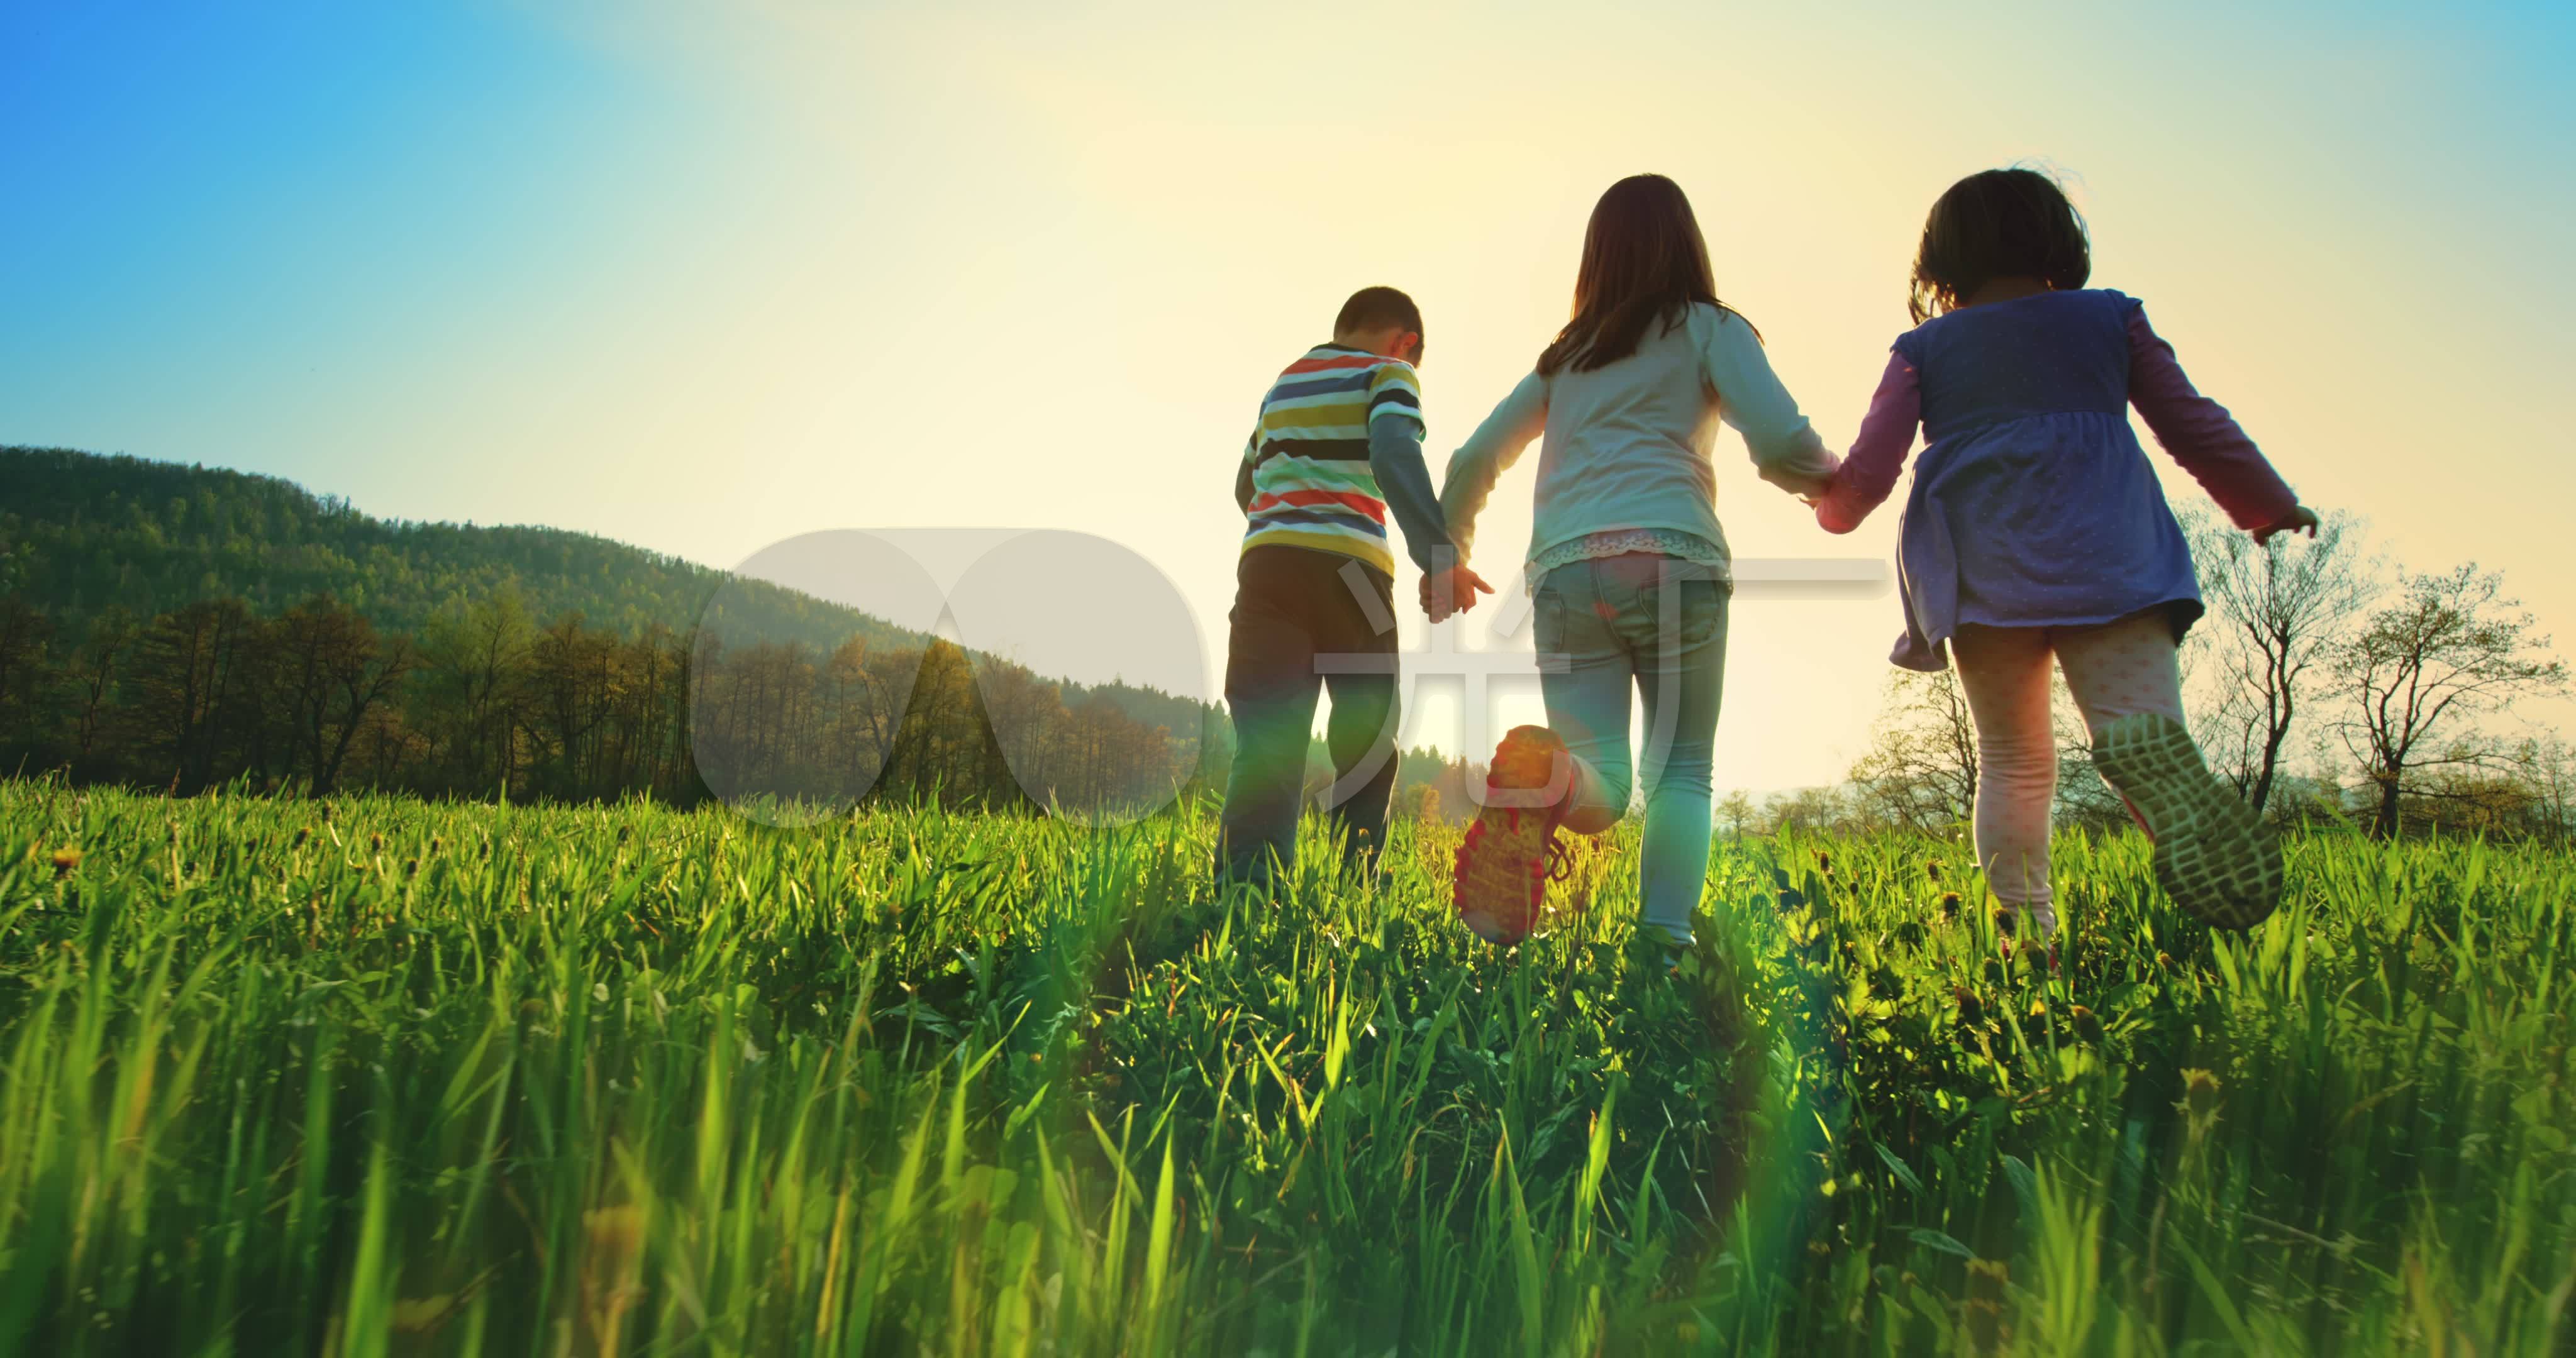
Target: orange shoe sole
1502,866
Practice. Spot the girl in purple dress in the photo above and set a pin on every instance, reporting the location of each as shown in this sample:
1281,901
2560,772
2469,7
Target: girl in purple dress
2035,528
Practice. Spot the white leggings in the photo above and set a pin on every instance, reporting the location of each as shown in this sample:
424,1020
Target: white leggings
2114,670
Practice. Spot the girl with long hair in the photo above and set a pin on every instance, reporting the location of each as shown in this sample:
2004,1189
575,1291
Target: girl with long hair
1626,563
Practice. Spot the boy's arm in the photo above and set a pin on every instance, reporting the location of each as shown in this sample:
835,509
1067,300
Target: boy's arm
2201,435
1395,454
1395,457
1487,454
1877,457
1786,449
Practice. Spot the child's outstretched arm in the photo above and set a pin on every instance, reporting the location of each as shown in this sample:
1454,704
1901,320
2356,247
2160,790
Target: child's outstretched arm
1395,458
1786,448
1878,455
2202,436
1487,454
1395,455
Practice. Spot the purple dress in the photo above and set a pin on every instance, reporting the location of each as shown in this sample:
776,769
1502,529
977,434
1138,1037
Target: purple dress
2033,504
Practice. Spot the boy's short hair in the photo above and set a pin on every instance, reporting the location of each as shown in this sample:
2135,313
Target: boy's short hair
1370,308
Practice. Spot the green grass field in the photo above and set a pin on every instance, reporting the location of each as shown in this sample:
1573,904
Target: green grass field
374,1077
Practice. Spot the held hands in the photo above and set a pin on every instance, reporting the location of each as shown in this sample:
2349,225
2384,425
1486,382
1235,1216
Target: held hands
1815,499
1451,591
2300,519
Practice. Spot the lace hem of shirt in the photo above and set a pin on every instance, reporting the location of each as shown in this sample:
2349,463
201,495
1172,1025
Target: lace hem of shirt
1660,541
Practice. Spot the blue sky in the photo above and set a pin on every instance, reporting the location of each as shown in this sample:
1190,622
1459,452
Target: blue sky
701,277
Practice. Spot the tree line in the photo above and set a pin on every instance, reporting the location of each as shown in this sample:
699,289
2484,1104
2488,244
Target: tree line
2325,683
483,701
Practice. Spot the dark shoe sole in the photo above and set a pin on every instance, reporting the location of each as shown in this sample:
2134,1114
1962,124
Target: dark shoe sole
2214,855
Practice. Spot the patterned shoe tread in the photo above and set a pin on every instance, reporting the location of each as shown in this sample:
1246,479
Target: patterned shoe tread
1526,760
2213,854
1502,864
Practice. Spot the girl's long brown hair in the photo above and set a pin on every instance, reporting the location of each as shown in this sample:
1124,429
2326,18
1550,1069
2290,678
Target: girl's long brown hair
1644,262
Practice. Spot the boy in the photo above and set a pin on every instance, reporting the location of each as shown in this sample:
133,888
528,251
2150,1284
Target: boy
1338,445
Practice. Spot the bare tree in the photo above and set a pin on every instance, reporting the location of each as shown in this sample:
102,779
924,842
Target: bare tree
1806,808
328,670
365,671
1032,727
2450,649
1920,770
93,675
2548,769
2276,611
884,692
1734,811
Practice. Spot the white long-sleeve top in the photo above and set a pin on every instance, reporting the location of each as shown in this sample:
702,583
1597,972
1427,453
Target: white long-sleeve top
1628,445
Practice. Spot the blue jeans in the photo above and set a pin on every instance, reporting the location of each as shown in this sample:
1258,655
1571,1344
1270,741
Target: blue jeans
1658,624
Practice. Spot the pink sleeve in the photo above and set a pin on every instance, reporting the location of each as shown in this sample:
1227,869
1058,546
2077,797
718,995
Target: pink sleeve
1878,455
2201,435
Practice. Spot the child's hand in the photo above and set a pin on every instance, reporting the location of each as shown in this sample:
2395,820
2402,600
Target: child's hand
1451,591
2300,519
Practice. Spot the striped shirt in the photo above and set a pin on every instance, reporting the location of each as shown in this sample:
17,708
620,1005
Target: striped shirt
1312,485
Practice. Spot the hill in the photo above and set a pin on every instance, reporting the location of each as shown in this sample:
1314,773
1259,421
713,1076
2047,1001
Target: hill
184,626
82,531
79,531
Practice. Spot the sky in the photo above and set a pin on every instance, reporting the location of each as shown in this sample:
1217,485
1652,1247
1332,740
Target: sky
706,277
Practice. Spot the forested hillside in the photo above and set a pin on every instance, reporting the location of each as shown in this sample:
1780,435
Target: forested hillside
81,533
184,626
